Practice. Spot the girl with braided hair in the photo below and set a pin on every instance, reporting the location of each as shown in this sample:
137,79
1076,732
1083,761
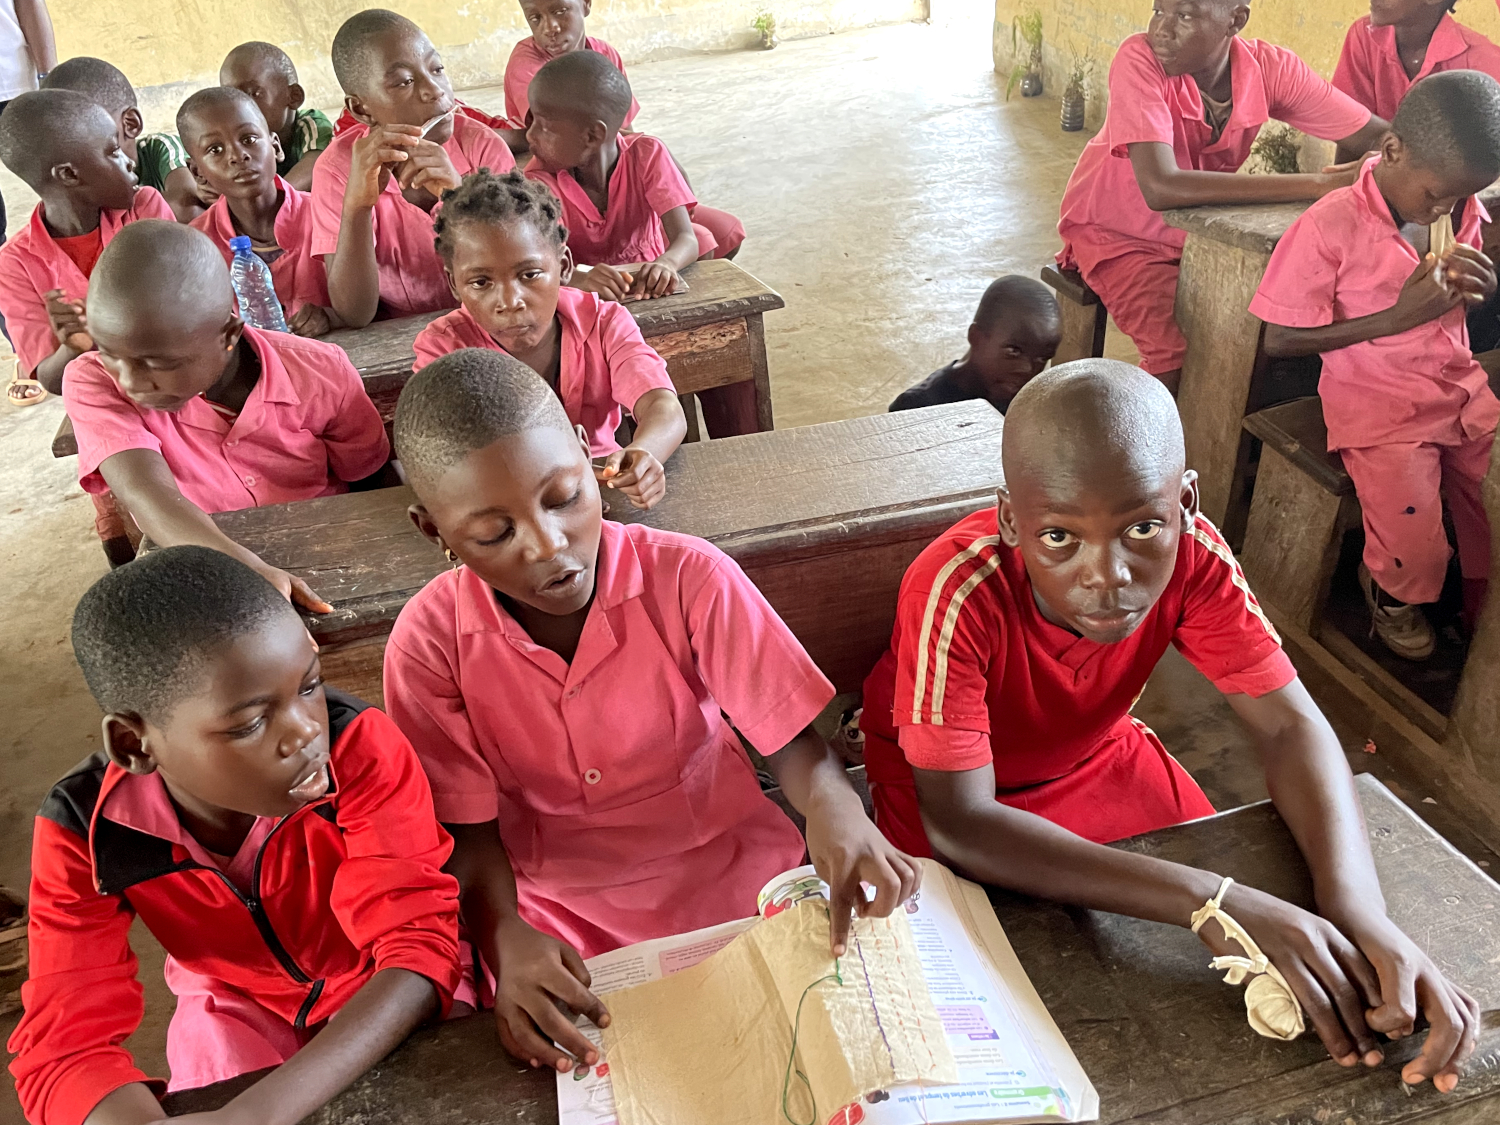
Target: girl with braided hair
504,250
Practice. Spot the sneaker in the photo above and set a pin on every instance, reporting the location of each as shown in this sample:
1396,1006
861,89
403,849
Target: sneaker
1402,628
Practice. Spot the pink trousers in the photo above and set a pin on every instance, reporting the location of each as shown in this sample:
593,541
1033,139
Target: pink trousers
1137,281
1401,488
719,233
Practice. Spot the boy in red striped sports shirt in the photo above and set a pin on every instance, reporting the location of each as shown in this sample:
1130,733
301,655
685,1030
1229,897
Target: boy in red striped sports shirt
998,732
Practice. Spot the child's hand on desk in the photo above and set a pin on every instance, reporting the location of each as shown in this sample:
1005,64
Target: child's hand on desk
311,321
1348,999
610,282
1410,985
69,323
637,474
537,973
847,850
1469,272
425,174
1424,297
372,159
655,279
292,588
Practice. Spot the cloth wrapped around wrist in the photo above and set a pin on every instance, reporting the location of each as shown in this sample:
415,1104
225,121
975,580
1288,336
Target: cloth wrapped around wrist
1269,1002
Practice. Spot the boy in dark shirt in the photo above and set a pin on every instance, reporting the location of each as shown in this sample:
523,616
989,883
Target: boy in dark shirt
1016,330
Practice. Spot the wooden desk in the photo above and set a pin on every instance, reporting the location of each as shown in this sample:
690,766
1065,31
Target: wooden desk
1222,264
825,519
1162,1039
711,335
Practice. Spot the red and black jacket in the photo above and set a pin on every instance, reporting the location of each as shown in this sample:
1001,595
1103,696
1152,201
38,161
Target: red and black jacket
346,886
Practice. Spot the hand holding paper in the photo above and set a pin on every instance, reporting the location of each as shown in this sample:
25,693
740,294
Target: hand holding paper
538,973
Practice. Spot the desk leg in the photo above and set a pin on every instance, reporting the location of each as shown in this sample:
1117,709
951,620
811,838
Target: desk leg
1223,353
1473,733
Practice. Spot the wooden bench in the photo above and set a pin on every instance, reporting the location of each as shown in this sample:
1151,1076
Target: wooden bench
824,519
1304,503
712,335
1084,317
1163,1040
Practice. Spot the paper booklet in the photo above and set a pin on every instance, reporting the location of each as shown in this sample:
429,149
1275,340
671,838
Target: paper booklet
1001,1057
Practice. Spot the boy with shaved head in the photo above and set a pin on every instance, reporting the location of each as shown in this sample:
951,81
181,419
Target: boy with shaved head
186,410
1186,101
998,727
266,73
160,161
67,149
1359,279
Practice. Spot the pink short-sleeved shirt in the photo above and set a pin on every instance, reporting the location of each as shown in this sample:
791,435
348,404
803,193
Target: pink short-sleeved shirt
297,273
307,428
411,274
644,186
629,809
1343,259
606,365
32,264
1103,202
526,58
1370,69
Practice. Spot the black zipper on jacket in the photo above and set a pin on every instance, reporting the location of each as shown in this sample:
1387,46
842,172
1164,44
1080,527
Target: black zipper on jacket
268,932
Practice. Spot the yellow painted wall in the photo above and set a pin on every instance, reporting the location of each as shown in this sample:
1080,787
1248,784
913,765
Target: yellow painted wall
169,48
1313,28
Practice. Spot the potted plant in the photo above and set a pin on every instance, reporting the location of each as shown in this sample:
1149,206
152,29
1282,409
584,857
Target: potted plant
765,23
1075,95
1027,74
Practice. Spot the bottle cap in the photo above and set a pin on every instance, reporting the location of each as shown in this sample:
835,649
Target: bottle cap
240,242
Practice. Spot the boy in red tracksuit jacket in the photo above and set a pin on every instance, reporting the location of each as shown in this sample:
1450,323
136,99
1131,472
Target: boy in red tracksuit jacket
278,839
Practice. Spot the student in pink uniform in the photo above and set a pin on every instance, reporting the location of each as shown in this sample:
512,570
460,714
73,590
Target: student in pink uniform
999,734
1401,42
232,149
1186,101
565,686
68,151
624,200
507,259
375,187
557,27
184,410
1406,404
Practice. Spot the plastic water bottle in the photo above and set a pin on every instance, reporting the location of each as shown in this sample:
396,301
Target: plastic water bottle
251,278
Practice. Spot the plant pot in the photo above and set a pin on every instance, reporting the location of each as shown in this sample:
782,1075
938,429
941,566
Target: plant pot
1031,85
1073,106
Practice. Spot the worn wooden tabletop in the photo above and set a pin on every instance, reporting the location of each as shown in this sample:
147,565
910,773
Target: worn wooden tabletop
1250,226
1162,1039
782,494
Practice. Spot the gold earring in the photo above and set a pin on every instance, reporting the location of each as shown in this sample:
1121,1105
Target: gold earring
451,557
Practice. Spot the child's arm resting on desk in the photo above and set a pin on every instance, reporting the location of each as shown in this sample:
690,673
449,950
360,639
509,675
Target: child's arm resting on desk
142,482
636,470
1469,276
1165,185
533,971
1313,790
659,278
843,843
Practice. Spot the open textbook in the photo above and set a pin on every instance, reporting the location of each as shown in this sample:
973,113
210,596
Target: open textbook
1012,1064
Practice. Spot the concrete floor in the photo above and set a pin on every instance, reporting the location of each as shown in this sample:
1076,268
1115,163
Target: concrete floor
884,181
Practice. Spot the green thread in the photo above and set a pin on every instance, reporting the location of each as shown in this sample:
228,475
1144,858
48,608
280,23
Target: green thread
791,1061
